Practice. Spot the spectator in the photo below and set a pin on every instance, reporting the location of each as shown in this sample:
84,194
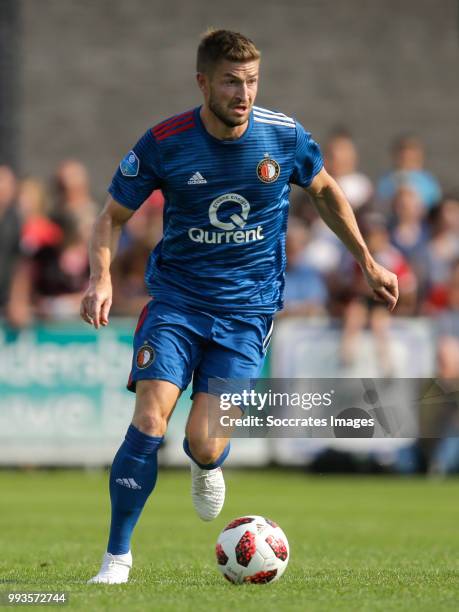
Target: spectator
51,279
409,230
147,223
408,159
9,236
324,250
37,228
362,309
142,233
305,291
441,253
437,449
74,200
37,232
450,206
60,274
448,316
341,161
445,459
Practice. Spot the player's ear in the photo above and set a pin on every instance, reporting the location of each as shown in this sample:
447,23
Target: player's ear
202,81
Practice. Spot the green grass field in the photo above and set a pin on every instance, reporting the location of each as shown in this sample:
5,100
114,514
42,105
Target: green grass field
356,543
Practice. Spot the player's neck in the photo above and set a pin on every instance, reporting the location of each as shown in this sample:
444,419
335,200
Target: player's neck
218,129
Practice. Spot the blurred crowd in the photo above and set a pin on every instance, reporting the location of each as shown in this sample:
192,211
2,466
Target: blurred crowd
410,223
44,234
411,226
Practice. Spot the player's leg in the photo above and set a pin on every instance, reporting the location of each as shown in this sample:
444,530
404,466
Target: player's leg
205,449
165,352
134,472
134,469
207,455
233,357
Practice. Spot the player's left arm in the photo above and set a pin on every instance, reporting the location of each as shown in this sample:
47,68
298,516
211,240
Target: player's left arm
335,210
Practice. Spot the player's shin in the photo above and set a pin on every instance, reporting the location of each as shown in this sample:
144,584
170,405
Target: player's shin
132,479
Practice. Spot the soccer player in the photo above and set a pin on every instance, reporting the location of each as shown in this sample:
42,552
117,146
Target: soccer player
216,278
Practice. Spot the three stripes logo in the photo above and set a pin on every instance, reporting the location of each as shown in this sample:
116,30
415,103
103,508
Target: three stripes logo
197,179
130,483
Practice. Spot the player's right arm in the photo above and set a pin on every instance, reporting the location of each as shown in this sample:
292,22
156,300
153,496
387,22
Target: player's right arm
139,173
96,302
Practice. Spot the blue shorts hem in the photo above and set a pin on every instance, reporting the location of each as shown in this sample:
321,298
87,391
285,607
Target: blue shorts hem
131,386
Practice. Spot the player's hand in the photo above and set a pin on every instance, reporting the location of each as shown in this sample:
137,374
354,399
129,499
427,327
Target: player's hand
383,283
96,303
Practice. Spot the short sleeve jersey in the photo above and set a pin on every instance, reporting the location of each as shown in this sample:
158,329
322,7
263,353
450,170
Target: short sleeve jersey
226,207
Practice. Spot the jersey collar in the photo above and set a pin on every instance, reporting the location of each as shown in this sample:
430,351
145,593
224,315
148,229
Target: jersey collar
199,123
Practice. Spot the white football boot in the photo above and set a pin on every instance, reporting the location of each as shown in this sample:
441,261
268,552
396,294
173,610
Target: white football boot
207,491
114,569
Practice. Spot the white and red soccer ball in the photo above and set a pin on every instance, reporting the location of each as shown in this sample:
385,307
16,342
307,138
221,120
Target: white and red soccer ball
252,549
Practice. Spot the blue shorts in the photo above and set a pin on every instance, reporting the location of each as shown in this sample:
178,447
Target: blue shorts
178,343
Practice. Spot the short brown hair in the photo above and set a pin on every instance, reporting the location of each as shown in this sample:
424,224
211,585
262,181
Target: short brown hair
218,45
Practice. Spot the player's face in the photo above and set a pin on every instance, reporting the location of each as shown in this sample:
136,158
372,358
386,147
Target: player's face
231,90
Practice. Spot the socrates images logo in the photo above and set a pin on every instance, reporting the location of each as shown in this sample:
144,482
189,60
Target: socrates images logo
233,228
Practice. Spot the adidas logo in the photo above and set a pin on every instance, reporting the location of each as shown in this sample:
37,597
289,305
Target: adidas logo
196,179
130,483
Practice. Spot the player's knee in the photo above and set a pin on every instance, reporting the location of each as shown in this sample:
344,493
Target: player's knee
150,423
205,452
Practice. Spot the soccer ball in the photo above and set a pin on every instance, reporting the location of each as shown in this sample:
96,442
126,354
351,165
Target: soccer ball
252,549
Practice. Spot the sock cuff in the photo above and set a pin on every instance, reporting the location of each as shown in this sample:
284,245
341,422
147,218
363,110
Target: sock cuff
207,466
140,442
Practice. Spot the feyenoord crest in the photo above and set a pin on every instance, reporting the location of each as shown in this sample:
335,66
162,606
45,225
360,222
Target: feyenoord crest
145,356
268,169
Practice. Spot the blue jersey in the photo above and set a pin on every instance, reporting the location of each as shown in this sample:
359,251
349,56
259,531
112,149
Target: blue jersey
226,207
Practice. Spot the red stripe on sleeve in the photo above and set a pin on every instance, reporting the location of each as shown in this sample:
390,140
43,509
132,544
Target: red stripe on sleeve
176,124
169,123
173,131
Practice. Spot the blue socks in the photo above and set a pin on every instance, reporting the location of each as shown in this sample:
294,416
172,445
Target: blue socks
132,479
208,466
